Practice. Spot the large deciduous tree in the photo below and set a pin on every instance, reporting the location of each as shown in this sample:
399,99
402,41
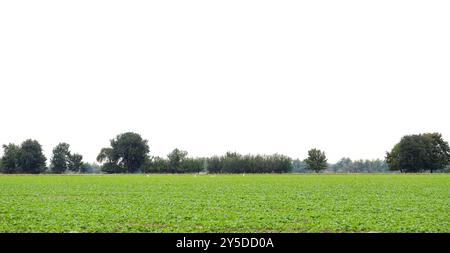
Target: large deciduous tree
59,162
316,161
31,158
128,152
62,160
76,164
439,151
10,159
419,152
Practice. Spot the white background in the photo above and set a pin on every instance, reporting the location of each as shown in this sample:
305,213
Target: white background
348,77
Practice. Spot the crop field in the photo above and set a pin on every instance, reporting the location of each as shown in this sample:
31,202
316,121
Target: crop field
225,203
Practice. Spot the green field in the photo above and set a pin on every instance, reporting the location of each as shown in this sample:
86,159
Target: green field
225,203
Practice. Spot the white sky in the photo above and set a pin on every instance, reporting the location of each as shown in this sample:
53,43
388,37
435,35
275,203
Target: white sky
348,77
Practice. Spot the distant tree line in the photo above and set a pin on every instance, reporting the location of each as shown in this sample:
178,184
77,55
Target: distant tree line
129,153
28,158
233,162
346,165
177,161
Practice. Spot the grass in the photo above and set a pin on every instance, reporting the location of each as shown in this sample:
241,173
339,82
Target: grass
225,203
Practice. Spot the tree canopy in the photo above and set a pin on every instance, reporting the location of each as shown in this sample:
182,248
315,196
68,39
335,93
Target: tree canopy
419,152
10,159
176,159
63,160
233,162
31,158
60,159
127,154
316,161
76,164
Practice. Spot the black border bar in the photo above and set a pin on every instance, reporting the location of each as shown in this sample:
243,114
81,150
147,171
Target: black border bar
196,242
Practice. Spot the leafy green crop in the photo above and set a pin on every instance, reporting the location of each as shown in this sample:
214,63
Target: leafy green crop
225,203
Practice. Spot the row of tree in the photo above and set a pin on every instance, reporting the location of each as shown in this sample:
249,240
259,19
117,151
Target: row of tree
177,161
233,162
63,160
129,153
29,158
25,158
345,165
414,153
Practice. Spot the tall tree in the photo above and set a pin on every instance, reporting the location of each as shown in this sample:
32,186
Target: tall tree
10,159
176,159
62,160
75,163
439,151
128,153
59,162
316,161
31,158
419,152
